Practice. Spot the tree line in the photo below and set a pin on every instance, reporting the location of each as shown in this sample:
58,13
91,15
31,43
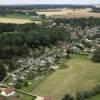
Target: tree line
4,12
82,22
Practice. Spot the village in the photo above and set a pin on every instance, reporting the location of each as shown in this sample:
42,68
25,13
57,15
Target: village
35,68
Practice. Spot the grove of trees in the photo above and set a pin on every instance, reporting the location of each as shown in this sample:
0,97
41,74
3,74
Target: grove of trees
82,22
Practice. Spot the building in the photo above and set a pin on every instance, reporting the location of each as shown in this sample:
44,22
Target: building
7,92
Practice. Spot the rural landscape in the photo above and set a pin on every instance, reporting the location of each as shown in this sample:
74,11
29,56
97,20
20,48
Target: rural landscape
50,52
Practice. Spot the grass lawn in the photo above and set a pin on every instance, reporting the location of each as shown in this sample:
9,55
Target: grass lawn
35,83
97,97
82,74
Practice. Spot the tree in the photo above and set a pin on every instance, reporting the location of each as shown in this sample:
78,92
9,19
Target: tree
2,70
96,55
33,98
25,83
68,97
18,85
68,53
80,96
43,16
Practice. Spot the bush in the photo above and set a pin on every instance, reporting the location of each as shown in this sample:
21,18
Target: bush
97,89
96,55
68,97
33,98
18,85
25,84
88,94
80,96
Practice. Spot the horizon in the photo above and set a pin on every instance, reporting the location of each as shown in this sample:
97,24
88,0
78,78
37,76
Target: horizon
49,2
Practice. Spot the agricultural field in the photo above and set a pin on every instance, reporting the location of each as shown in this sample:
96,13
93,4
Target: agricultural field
14,20
70,13
18,16
81,74
18,21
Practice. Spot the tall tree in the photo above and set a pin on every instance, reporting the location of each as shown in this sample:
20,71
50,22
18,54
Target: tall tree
96,55
2,70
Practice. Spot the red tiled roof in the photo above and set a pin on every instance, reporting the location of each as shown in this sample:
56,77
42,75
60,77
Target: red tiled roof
8,90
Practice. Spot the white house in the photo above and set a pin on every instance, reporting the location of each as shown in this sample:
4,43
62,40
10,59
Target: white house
7,92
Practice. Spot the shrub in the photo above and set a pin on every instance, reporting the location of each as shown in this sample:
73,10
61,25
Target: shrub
25,84
96,55
68,97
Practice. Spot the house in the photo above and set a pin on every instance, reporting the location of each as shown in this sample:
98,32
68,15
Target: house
7,92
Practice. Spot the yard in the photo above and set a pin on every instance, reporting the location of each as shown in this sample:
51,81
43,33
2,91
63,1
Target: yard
82,74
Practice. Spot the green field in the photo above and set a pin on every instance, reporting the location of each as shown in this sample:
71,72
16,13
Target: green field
97,97
20,16
82,74
19,19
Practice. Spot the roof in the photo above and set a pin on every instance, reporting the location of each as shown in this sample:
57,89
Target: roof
8,90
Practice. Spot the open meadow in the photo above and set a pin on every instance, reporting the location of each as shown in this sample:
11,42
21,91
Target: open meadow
82,74
70,13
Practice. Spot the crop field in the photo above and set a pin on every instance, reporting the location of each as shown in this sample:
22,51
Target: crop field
14,20
18,16
17,20
70,13
82,74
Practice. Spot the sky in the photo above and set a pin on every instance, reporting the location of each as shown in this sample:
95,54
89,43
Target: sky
49,2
